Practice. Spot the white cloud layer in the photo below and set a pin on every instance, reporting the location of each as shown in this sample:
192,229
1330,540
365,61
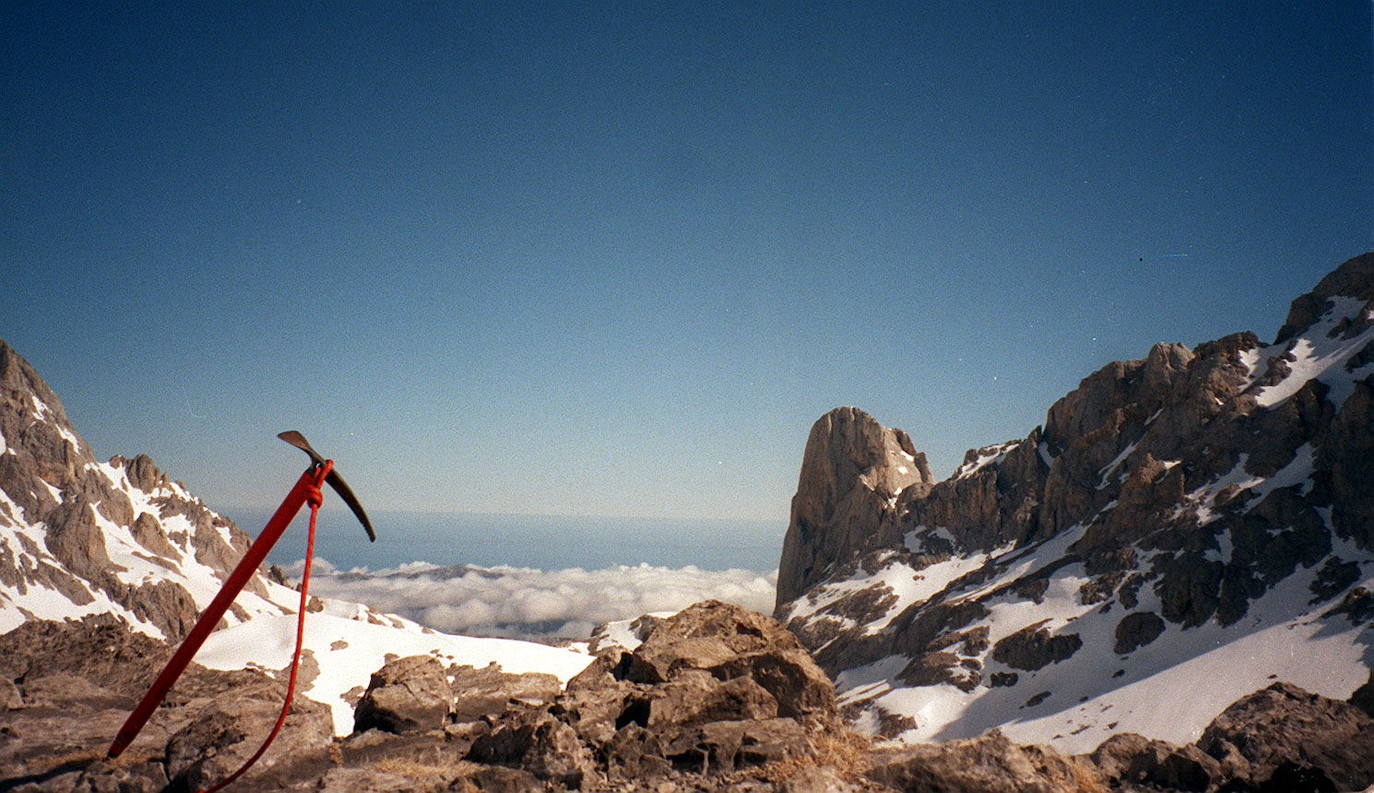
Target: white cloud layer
516,601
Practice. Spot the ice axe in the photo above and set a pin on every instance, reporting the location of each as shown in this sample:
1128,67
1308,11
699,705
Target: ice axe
306,490
335,481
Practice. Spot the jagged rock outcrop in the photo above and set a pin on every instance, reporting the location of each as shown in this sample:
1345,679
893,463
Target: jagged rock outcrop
417,694
714,689
77,682
1280,738
82,537
853,470
409,694
1127,759
228,729
1283,729
1226,489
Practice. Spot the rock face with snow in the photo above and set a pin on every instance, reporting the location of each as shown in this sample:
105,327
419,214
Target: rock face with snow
81,537
1187,527
853,470
1283,727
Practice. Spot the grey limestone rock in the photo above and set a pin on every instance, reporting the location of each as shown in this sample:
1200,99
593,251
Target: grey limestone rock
1034,647
1284,724
1136,630
408,694
477,693
852,469
228,730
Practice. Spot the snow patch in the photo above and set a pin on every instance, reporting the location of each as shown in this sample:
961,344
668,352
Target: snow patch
912,540
52,491
1105,473
620,633
268,642
989,455
1317,356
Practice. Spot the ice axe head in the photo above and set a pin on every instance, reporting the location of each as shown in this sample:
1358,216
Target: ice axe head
335,481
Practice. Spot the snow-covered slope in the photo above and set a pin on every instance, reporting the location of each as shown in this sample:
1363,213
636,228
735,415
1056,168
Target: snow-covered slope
1184,529
1169,689
80,537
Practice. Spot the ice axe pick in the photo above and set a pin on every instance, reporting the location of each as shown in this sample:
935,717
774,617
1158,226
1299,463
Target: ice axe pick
335,481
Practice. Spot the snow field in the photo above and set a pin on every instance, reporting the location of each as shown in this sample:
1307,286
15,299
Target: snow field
348,651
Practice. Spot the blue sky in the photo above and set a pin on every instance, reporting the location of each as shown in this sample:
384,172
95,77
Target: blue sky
615,258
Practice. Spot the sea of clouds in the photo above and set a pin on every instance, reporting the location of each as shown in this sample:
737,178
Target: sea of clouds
529,603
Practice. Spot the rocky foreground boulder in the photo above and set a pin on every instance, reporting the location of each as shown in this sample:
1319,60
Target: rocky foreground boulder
77,681
716,698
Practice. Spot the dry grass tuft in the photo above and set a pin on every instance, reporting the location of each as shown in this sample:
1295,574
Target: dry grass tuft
1086,779
408,767
80,758
842,750
431,776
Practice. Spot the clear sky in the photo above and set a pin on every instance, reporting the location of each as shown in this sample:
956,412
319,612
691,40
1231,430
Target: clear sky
615,258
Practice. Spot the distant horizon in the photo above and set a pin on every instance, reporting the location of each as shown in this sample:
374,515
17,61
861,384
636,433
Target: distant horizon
334,507
545,542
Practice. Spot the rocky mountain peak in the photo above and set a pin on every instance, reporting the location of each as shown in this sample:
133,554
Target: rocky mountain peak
81,537
847,447
16,374
33,424
853,472
142,472
1354,279
1221,489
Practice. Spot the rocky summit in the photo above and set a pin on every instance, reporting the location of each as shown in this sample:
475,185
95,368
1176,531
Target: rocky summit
1182,530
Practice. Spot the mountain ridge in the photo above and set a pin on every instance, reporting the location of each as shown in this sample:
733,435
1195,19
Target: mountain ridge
86,536
1190,490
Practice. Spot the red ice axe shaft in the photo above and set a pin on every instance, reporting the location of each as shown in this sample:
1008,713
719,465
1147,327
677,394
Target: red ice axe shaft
318,473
